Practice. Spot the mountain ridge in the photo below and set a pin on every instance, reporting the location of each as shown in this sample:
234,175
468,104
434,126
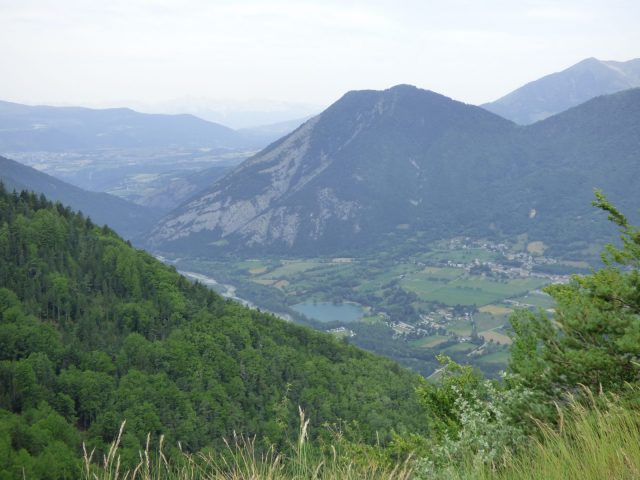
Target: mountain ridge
43,127
559,91
403,158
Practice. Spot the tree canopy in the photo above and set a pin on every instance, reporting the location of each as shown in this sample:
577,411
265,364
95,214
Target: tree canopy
593,337
93,332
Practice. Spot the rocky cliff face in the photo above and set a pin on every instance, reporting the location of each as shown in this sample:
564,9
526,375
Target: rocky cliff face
250,212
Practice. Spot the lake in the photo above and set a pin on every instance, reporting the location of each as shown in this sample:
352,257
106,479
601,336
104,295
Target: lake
330,312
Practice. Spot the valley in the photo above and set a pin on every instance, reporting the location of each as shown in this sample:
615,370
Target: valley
159,178
452,297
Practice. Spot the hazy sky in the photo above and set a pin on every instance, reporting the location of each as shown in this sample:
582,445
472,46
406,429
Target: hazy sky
108,52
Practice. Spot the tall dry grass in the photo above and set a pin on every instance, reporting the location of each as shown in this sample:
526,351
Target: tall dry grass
242,461
599,440
593,442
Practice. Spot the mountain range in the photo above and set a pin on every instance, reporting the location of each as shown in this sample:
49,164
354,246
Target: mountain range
46,128
378,165
374,167
559,91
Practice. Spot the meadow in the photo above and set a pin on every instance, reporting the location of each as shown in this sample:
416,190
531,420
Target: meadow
467,289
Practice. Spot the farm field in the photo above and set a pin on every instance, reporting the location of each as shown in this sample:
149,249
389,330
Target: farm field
495,357
462,255
458,348
486,321
497,337
496,310
460,326
376,278
291,268
430,342
467,289
536,299
252,266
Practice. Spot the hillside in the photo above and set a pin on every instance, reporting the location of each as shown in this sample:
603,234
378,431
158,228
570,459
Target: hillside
45,128
380,166
560,91
271,132
175,189
127,218
94,332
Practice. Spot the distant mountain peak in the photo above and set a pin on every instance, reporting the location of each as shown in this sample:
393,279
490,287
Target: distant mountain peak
559,91
404,87
588,61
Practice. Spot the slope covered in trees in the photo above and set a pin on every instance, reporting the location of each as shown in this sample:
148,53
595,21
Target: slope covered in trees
93,332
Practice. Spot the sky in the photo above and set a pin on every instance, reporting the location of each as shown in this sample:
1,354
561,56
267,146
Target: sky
137,52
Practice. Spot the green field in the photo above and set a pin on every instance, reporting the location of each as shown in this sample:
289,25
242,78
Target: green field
430,341
541,300
459,348
443,273
249,265
460,326
376,282
463,255
494,358
376,277
291,268
372,319
496,336
486,321
467,290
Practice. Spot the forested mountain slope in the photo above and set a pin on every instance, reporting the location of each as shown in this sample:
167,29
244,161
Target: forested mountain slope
127,218
93,332
385,165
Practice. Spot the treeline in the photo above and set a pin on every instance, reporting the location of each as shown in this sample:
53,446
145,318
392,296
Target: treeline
93,332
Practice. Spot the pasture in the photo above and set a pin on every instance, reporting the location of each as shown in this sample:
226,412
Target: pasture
495,358
430,341
497,337
467,289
